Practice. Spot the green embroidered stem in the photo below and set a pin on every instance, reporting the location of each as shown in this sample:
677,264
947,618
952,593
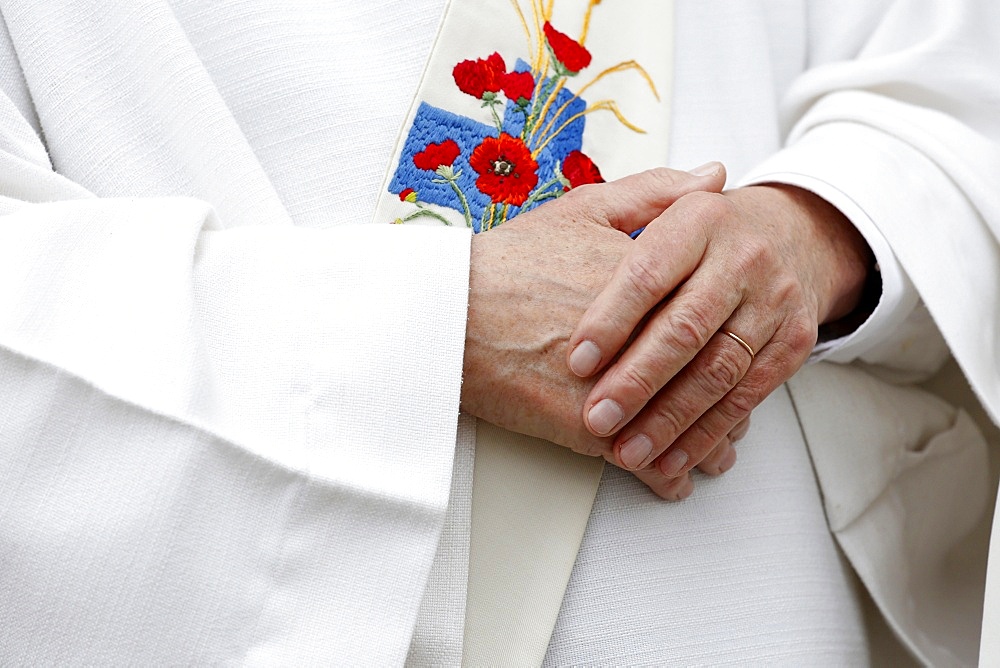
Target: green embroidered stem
539,104
496,117
425,213
540,193
482,219
541,198
524,125
461,198
449,176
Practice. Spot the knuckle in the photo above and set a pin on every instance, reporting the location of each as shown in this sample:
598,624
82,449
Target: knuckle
668,424
581,192
637,382
791,346
643,277
755,256
592,447
789,295
588,202
700,440
662,176
660,181
706,207
686,330
801,335
724,370
676,489
788,290
738,404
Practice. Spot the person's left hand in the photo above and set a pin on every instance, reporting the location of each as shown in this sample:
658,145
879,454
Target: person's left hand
531,280
724,294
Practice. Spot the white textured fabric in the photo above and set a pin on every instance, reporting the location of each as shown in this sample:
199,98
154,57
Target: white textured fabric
158,407
320,89
747,574
201,425
817,48
438,636
530,508
206,409
905,482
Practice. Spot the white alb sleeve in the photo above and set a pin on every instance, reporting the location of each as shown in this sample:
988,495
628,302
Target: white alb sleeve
894,112
221,441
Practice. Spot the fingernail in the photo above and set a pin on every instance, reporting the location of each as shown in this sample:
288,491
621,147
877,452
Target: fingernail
584,359
708,169
673,463
685,491
605,416
635,450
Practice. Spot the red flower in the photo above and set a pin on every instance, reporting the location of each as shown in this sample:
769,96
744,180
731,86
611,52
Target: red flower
507,172
408,195
479,77
573,55
580,170
436,155
518,85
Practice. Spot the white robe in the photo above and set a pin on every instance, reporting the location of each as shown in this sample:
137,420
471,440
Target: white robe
199,394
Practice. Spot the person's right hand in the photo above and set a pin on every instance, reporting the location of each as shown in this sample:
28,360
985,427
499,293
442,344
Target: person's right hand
771,262
531,280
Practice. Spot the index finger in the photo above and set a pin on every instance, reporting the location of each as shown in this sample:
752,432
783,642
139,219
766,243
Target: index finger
629,203
665,255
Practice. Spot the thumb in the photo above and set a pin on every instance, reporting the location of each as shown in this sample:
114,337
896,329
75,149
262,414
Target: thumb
637,199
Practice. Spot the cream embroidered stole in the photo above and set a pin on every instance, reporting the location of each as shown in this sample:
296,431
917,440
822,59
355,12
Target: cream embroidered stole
519,102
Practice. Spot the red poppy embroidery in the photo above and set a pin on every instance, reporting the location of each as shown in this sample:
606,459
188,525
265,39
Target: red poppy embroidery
530,153
573,55
479,77
518,86
507,172
437,155
580,170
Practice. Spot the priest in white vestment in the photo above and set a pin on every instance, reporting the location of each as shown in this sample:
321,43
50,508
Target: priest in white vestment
229,422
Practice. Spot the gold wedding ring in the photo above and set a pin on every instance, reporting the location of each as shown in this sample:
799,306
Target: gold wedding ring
746,346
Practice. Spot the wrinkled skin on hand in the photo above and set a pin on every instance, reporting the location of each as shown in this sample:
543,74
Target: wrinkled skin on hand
531,281
768,263
529,290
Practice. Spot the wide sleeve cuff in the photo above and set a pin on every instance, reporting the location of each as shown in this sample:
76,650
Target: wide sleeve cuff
846,164
260,422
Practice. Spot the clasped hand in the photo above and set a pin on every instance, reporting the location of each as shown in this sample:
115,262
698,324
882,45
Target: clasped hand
768,264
